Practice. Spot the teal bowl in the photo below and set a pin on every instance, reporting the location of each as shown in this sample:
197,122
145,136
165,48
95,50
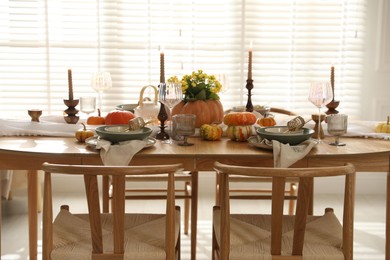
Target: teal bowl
281,134
118,133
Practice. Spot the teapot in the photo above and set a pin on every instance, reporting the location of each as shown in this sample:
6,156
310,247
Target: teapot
148,109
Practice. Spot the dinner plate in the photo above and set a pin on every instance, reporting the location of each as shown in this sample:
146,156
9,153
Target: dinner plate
92,142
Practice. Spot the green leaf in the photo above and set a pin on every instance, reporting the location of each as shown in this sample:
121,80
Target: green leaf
201,95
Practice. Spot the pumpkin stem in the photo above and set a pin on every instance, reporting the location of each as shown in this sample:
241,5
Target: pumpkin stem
98,111
388,119
84,127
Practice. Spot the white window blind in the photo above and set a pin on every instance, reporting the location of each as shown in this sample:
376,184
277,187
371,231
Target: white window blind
294,43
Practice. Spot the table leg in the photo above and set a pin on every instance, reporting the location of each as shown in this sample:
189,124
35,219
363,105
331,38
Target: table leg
33,213
194,212
387,249
1,220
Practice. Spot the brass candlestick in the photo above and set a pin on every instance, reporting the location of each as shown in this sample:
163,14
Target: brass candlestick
332,107
71,117
320,134
162,117
249,87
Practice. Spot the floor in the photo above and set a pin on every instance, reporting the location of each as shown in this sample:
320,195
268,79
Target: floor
369,223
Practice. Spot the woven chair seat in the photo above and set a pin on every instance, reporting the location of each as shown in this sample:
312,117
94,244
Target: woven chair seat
250,236
144,236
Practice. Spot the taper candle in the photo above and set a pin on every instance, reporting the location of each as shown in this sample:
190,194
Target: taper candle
162,76
70,84
250,62
332,79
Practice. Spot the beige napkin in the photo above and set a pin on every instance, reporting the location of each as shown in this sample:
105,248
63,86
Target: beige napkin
286,155
120,153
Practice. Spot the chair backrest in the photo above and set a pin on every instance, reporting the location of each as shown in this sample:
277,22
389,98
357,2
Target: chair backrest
118,173
305,191
282,111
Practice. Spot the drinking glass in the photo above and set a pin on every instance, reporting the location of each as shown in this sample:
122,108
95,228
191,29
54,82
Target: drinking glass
184,126
337,126
87,104
320,94
100,82
170,95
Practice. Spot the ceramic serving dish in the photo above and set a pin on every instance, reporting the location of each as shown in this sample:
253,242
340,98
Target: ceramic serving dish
281,134
120,133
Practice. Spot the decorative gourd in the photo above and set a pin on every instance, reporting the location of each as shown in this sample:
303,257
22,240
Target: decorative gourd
118,117
266,121
211,132
82,134
383,127
207,111
239,118
239,133
96,120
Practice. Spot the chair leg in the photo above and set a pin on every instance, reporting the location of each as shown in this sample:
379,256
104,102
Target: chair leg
217,181
187,202
39,197
292,192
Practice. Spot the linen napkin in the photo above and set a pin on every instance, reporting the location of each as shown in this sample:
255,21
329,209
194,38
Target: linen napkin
120,153
286,155
14,127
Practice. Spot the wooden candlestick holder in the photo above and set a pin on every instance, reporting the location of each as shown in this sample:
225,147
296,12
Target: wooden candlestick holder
249,87
320,134
162,117
332,107
71,113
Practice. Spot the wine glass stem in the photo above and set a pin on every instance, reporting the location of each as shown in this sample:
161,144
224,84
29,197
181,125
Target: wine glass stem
319,124
336,141
100,100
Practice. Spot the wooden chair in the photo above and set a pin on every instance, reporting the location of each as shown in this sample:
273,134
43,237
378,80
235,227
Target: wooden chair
116,235
277,236
147,193
264,192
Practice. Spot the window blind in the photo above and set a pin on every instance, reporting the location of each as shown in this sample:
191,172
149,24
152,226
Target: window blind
294,43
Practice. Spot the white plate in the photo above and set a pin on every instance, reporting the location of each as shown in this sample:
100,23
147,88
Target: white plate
254,141
92,141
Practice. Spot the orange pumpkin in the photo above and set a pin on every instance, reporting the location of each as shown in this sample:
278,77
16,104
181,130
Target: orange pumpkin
207,111
266,121
239,118
96,120
118,117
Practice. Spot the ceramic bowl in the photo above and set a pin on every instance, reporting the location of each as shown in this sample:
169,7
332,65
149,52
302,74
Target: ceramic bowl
128,107
120,133
281,134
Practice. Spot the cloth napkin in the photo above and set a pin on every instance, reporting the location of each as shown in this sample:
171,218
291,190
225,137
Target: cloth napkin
14,127
120,153
286,155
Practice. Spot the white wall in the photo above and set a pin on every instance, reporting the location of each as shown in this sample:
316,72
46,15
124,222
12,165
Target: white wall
376,74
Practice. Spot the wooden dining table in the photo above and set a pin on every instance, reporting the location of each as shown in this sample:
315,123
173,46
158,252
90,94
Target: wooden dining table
28,153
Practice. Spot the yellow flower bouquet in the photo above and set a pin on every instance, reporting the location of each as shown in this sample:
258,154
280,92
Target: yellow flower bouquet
199,86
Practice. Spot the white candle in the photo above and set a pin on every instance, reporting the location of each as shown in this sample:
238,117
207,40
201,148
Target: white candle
70,84
250,62
162,76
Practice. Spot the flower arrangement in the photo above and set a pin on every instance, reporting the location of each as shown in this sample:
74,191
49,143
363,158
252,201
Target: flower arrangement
199,86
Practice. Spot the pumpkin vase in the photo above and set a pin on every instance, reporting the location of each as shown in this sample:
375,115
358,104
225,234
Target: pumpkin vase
207,111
